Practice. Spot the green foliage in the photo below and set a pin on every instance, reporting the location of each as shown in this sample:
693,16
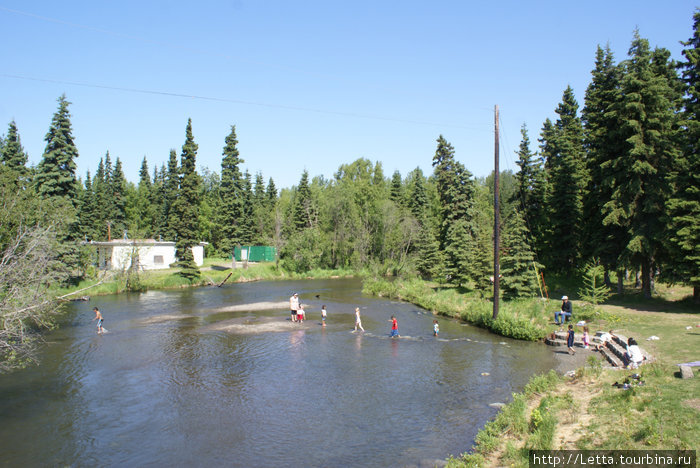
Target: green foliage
567,177
518,266
594,290
55,175
186,208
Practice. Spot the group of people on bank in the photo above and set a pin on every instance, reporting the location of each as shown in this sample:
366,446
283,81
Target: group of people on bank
633,355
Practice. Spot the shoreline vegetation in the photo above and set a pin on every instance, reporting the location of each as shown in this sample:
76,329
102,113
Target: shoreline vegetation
582,410
213,272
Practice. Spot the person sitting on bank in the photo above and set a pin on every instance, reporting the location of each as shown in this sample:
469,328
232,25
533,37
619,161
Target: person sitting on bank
566,311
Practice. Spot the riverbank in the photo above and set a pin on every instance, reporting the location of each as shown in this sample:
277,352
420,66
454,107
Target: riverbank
584,410
213,272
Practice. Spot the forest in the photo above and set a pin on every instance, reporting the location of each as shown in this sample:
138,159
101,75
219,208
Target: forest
614,182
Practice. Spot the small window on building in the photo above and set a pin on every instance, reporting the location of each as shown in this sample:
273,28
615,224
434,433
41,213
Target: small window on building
158,259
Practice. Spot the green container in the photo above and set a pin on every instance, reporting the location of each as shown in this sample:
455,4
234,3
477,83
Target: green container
255,253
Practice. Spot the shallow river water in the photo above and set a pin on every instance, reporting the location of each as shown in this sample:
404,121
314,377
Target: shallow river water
200,377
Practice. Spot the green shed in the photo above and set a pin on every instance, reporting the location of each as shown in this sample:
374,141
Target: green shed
255,253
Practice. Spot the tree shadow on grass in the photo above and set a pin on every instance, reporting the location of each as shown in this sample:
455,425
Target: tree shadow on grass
636,300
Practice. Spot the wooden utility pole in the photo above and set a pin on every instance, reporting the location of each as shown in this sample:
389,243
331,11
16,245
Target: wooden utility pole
496,223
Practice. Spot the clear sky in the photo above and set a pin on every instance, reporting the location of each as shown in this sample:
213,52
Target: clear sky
310,84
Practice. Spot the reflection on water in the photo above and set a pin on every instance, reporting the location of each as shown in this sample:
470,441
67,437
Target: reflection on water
167,387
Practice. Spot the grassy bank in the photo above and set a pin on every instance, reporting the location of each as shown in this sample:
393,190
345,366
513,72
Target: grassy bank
584,411
214,271
523,320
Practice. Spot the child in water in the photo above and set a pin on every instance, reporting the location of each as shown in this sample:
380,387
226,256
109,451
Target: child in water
100,321
394,327
301,315
323,315
436,328
358,320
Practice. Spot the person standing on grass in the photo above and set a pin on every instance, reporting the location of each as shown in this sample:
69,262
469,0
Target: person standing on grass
570,340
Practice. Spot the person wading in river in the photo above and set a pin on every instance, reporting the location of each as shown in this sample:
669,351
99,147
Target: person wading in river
358,320
98,317
294,306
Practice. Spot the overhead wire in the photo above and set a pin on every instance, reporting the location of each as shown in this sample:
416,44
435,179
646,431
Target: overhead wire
236,101
211,52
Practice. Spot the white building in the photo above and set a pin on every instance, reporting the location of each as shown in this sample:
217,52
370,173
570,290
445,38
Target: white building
149,253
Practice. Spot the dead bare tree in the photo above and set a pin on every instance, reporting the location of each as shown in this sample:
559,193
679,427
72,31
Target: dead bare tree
26,305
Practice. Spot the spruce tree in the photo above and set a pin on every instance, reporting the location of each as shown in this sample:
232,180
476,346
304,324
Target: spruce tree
186,208
171,192
89,211
530,189
230,207
145,208
55,175
603,144
56,182
518,264
418,197
456,192
567,178
396,192
648,125
304,211
271,192
684,204
247,225
118,191
13,156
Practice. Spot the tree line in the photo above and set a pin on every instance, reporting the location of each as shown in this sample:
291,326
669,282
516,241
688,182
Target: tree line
615,181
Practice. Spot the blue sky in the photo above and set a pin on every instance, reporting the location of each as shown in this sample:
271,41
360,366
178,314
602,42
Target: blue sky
308,85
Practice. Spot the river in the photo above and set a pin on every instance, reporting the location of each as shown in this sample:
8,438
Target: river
200,377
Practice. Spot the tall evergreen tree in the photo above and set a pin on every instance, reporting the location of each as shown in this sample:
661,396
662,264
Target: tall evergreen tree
271,192
12,155
304,212
648,125
89,211
567,178
145,208
518,265
247,226
230,209
55,175
171,192
530,190
456,192
396,192
118,190
684,204
418,198
186,207
603,144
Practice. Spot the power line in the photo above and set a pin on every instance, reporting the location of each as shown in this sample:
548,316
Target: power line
237,101
209,52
